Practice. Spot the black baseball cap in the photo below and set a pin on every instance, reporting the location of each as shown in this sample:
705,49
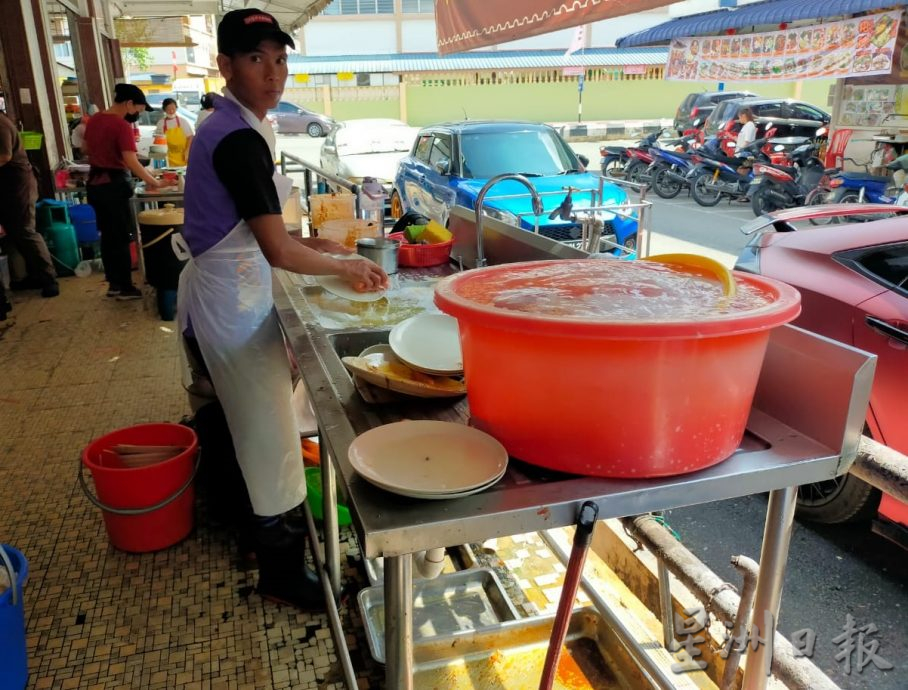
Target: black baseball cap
241,31
130,92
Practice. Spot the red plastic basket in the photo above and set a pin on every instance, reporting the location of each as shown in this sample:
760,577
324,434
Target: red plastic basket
418,255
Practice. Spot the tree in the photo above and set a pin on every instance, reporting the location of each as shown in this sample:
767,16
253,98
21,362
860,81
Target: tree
139,58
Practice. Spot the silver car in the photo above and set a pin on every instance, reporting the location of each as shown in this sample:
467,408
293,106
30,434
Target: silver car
367,148
294,119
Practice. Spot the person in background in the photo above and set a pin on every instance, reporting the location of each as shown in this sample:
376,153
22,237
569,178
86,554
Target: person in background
234,234
18,195
746,136
748,132
207,109
111,147
77,138
179,133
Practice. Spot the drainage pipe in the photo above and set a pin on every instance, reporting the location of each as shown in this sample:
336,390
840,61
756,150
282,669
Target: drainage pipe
882,467
749,571
430,563
718,596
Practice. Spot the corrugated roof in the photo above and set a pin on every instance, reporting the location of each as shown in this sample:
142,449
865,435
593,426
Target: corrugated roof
511,59
757,14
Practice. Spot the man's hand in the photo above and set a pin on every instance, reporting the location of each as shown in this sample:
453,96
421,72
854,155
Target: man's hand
363,275
324,246
153,183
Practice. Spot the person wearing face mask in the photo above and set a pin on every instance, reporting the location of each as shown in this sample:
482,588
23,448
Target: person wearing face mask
110,145
232,236
178,132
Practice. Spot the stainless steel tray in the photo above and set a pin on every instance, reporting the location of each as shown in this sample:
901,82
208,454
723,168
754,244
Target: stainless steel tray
467,600
510,657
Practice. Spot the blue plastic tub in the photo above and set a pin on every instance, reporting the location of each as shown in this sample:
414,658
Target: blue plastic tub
85,222
13,657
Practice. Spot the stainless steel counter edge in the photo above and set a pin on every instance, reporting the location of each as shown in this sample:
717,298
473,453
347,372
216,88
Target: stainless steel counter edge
390,525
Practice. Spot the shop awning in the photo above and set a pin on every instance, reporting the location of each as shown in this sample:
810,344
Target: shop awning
499,60
469,24
290,14
769,13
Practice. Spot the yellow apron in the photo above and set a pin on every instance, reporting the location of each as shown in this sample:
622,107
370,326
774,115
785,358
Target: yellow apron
177,153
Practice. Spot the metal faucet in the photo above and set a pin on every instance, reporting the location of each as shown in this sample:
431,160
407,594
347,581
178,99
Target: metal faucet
537,208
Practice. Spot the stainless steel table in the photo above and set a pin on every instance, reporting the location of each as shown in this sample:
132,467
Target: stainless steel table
805,426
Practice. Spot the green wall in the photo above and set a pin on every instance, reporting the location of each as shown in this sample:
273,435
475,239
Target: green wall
553,102
349,110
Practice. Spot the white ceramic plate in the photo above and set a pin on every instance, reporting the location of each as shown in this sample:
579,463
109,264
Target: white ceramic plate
440,497
429,343
428,457
340,287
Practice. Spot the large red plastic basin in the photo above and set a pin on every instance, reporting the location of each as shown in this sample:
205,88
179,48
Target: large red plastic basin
595,396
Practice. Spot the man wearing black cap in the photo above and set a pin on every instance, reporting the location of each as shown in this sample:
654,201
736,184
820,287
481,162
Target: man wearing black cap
234,234
111,147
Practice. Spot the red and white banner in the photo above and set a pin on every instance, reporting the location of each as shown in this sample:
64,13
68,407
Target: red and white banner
852,48
468,24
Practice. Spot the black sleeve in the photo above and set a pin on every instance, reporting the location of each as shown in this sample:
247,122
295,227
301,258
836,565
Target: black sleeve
244,166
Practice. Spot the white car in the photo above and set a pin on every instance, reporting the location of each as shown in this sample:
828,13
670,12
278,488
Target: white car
367,148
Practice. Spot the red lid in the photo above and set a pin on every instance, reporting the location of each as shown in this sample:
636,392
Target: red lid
616,299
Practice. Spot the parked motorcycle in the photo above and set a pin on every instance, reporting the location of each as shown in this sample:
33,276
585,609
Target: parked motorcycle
668,172
716,175
857,188
616,160
778,187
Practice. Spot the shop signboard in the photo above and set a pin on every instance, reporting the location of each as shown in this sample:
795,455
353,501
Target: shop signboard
862,46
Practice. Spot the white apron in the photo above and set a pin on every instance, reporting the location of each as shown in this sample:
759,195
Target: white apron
226,295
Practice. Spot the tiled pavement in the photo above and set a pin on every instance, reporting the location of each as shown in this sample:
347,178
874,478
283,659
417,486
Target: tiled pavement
74,368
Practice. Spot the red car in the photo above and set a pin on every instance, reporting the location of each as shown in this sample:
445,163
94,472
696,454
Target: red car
853,280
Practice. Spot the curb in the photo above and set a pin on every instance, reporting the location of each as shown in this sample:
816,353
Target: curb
595,131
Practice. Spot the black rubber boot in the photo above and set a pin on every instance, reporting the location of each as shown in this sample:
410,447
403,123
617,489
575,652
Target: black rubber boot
283,575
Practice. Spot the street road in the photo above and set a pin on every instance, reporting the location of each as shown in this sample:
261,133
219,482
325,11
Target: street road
833,571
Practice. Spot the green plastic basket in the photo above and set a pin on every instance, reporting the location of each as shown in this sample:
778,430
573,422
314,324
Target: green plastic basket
31,141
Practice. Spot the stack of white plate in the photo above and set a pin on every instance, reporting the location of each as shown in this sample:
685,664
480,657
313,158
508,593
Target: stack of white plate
429,343
429,459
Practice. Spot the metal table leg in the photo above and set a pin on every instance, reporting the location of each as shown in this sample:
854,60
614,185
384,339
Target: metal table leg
330,525
399,622
768,596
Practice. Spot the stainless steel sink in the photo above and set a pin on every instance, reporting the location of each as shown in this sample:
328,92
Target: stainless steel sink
352,343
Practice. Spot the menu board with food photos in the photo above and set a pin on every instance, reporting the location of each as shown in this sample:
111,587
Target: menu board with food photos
868,106
854,47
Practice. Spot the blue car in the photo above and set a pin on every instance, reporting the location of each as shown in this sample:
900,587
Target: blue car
450,163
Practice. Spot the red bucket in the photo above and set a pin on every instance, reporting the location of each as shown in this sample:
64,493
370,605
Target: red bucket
145,508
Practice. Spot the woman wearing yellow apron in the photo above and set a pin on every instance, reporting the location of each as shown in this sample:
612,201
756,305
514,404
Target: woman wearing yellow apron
178,132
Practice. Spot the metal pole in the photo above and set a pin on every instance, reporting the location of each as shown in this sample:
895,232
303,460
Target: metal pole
648,665
337,630
330,524
768,596
399,622
665,607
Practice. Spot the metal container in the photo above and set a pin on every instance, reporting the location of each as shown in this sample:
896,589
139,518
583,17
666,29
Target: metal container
510,656
466,600
381,250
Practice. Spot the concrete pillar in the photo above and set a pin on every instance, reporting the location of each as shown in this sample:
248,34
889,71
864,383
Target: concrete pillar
93,65
326,99
403,100
33,96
